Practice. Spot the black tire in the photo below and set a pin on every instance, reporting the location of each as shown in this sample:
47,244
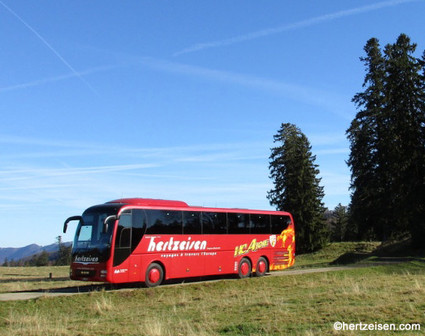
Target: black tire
262,267
154,275
245,268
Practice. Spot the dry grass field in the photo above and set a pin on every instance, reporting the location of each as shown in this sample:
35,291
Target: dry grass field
305,304
14,279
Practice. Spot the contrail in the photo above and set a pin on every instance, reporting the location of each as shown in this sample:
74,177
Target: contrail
55,79
48,45
292,26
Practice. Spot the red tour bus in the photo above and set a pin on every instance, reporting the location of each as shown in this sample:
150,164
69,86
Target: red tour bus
148,240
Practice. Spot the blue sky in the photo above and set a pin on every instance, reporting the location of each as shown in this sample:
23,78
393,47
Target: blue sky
175,100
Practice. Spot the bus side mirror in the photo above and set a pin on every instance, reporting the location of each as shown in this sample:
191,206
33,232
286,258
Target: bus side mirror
107,221
65,225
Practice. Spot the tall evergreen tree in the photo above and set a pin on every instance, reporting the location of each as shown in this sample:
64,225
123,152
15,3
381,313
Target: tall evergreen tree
387,160
405,112
417,222
363,135
297,188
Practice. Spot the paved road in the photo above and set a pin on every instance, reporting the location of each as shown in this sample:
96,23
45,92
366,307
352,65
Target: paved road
89,288
29,295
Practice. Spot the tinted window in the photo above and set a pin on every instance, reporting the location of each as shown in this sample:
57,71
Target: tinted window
191,222
260,223
164,221
139,227
279,223
131,227
214,223
238,223
123,237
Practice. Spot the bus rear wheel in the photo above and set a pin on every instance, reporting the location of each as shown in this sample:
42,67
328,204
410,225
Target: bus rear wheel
244,269
154,275
262,267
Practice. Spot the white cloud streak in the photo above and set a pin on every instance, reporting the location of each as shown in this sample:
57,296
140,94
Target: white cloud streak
292,26
190,173
332,102
54,172
49,148
56,78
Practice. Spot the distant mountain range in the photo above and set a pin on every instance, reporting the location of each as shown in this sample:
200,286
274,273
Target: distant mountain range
17,253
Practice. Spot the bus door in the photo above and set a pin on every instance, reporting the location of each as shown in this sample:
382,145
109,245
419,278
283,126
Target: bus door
127,262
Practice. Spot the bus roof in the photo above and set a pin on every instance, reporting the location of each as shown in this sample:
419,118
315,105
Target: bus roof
149,202
160,203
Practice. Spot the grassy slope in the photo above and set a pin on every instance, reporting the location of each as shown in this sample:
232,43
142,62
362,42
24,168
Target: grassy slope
306,304
332,252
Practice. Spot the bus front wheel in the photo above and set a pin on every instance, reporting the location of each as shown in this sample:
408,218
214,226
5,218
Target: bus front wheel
154,275
245,268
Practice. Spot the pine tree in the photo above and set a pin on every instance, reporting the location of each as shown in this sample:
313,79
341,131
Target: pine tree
405,145
417,221
387,139
363,134
296,187
339,224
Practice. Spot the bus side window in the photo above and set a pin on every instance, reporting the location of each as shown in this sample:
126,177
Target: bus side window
260,224
214,223
191,222
164,221
124,231
123,238
139,224
280,223
238,223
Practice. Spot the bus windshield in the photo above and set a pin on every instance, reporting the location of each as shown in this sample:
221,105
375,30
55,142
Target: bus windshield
90,242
